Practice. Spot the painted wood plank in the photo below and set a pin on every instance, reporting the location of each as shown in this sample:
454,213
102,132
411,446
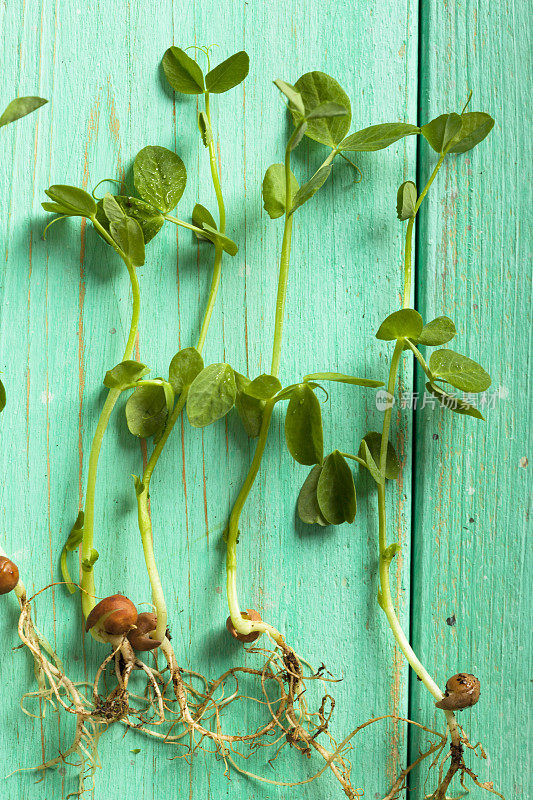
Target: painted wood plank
65,307
471,561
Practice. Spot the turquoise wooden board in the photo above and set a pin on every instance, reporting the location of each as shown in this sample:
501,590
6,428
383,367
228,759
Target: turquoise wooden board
64,317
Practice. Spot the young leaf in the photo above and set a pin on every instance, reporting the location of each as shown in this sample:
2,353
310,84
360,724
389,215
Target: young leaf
264,387
452,402
183,74
315,89
296,104
201,216
129,236
228,74
404,324
213,235
184,367
146,411
125,373
476,125
149,218
212,395
406,200
274,195
368,458
336,490
72,201
250,411
326,110
308,508
310,188
159,176
460,371
3,398
340,378
205,129
303,426
373,443
19,108
439,331
113,210
297,137
441,131
377,137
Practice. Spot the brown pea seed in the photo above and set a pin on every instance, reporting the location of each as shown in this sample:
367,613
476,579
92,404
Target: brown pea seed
462,691
9,575
120,615
138,637
253,616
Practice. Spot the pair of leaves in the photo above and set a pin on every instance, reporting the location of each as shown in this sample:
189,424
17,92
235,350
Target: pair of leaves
204,220
19,108
328,493
274,191
251,399
370,452
408,324
69,201
457,133
125,230
124,374
160,177
406,200
185,76
148,217
147,409
326,107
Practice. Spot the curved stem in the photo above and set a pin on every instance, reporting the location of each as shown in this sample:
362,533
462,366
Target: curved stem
143,491
87,571
181,224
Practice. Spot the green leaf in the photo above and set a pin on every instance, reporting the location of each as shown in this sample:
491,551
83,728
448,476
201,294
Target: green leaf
160,177
149,218
317,88
452,402
113,210
377,137
183,74
250,411
373,442
205,129
125,373
311,187
228,74
336,490
439,331
264,387
212,395
368,458
308,508
404,324
213,235
326,110
340,378
476,125
441,131
297,137
129,236
303,426
406,200
72,201
19,108
3,398
274,194
201,216
184,367
296,104
146,411
460,371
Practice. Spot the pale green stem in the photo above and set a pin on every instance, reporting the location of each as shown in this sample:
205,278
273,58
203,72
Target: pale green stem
87,574
384,594
181,224
143,492
240,624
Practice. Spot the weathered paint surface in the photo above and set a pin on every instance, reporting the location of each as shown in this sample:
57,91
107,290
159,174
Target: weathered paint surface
64,315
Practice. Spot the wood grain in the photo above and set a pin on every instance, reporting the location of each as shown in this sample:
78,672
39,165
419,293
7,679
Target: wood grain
64,317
